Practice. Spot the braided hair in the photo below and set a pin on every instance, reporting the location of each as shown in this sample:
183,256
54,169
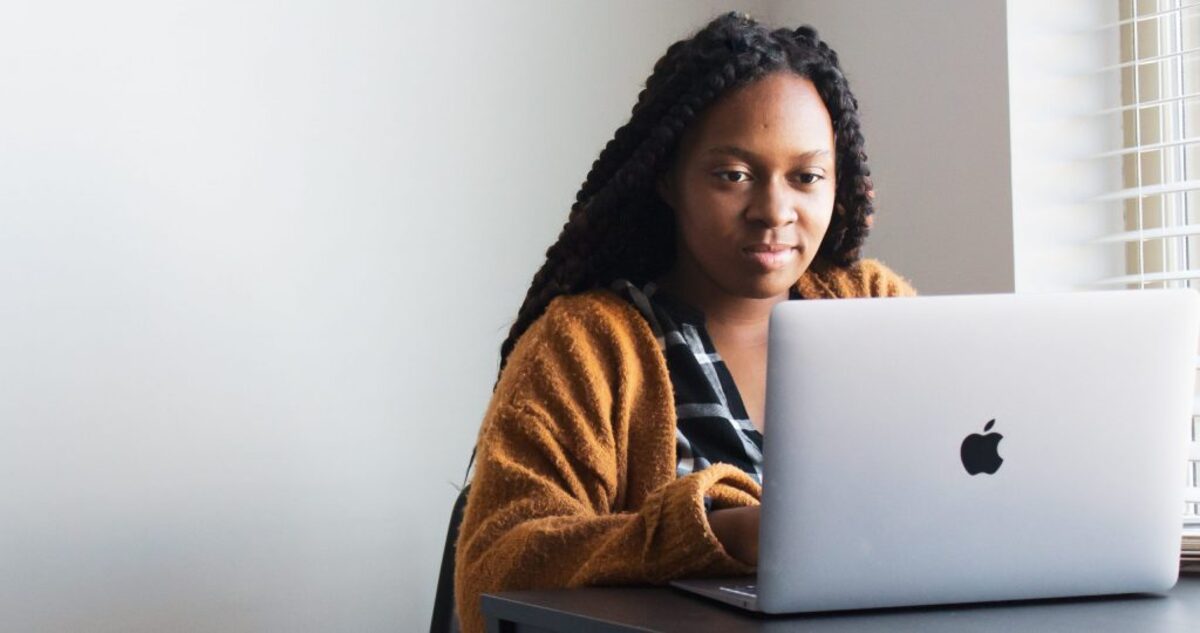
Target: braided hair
620,227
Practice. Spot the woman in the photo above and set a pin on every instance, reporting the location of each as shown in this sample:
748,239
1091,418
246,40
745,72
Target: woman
623,441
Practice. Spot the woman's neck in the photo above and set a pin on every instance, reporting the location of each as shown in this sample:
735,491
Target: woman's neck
743,319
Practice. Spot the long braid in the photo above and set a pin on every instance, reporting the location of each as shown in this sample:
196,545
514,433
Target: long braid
847,231
619,227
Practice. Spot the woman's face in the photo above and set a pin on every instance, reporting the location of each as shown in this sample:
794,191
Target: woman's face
753,189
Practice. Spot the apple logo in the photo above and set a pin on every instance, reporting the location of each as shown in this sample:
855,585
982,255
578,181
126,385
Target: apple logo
980,453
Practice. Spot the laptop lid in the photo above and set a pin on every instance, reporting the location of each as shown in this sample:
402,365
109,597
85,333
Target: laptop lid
1084,399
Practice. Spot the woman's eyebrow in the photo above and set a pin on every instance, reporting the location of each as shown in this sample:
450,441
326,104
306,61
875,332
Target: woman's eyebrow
747,155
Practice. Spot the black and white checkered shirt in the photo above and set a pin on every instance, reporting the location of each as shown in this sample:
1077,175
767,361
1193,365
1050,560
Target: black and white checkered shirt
711,421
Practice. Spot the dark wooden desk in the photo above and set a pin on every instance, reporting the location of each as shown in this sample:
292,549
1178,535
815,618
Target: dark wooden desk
621,609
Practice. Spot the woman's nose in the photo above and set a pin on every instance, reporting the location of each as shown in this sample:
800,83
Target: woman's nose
774,204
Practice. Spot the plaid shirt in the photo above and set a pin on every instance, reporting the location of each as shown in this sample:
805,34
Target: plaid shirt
711,422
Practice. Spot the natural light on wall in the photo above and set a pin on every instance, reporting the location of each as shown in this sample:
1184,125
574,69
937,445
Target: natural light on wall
1159,157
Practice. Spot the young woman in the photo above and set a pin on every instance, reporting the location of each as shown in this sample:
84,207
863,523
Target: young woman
623,441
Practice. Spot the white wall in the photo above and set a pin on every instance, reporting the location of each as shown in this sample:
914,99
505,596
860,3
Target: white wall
256,261
932,85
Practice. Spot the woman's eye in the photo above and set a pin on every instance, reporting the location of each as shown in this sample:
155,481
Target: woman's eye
733,176
739,177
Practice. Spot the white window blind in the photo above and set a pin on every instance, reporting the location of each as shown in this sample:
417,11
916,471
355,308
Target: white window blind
1158,151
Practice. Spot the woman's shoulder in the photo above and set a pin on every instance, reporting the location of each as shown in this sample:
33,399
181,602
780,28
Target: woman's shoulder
595,312
597,303
596,328
862,278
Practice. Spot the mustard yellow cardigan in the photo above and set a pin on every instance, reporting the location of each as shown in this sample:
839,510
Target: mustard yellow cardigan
575,482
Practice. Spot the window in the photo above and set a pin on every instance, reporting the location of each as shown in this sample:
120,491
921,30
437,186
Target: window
1159,157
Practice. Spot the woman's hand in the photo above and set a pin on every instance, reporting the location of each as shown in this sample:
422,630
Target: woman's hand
737,530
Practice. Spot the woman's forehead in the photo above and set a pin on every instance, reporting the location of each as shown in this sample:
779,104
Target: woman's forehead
781,114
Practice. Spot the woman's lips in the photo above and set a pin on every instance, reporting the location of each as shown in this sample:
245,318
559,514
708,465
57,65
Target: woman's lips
770,257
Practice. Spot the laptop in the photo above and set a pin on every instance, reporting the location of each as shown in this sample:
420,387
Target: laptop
972,448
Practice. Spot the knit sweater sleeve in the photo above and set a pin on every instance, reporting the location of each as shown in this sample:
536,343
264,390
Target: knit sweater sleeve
561,455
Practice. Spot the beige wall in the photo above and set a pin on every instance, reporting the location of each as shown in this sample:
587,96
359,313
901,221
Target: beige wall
932,85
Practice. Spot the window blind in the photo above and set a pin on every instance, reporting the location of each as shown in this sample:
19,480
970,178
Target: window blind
1159,154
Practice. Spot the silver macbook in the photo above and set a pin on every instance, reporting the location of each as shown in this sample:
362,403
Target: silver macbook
948,449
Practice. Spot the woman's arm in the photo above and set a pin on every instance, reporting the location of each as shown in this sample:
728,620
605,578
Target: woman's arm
575,481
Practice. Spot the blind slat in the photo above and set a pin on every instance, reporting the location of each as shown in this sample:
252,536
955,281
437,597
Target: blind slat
1146,16
1148,104
1150,190
1148,147
1178,275
1151,234
1149,60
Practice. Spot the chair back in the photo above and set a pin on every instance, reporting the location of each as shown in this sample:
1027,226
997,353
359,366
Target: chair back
445,620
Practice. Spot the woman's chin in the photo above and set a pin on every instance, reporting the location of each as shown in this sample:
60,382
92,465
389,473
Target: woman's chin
769,286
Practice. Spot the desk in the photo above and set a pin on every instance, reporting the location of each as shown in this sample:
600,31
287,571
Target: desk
621,609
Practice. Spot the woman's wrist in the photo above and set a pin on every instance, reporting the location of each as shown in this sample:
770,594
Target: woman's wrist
737,531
